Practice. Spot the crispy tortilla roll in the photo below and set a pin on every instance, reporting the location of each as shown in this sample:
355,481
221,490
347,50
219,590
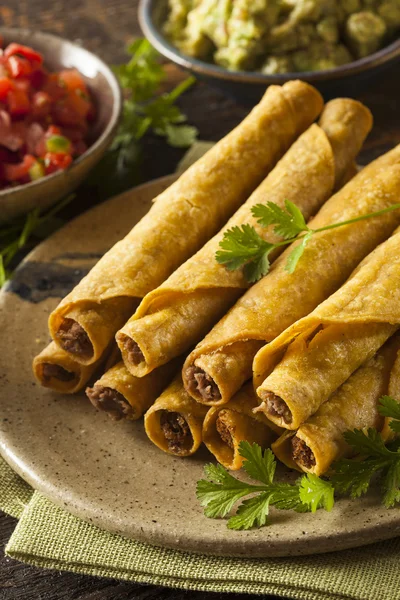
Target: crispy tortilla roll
300,369
177,314
174,422
181,220
223,360
55,369
123,396
319,441
226,426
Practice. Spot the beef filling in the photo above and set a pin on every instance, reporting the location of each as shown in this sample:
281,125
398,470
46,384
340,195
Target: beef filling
276,406
74,339
50,370
202,383
176,431
302,454
134,353
224,430
110,401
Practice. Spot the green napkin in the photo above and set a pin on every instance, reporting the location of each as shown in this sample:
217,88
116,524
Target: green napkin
48,536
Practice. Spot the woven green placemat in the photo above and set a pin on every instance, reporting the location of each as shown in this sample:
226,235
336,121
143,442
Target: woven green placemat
48,536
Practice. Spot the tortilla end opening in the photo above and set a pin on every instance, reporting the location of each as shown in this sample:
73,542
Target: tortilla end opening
176,431
73,339
132,351
51,371
276,406
202,385
110,401
302,453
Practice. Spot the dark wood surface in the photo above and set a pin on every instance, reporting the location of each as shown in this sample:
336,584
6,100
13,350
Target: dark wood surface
104,26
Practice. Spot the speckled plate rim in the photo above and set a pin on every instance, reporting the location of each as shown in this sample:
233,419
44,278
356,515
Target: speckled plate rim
35,425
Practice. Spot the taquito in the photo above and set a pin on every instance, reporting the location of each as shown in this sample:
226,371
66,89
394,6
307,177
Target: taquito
174,422
298,371
319,441
226,426
55,369
223,360
123,396
181,220
179,313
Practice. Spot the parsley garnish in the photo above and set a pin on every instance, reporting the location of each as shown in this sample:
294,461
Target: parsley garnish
242,246
221,491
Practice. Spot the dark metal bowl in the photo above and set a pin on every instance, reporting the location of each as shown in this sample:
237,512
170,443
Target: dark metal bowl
62,54
248,87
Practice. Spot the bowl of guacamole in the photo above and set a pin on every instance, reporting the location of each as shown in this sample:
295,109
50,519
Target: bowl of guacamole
259,42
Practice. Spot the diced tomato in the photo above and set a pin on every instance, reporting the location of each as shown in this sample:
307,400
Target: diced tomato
72,80
5,86
55,162
23,84
38,76
18,171
53,130
18,66
65,114
52,86
18,103
24,51
41,105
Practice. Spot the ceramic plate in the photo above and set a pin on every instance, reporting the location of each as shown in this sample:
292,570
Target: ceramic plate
108,473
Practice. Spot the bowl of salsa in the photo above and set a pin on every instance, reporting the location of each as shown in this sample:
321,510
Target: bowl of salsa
59,110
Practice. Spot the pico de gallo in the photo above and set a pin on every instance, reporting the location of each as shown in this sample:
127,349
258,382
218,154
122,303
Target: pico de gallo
44,116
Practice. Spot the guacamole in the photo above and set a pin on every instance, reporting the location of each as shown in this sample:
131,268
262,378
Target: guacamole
281,36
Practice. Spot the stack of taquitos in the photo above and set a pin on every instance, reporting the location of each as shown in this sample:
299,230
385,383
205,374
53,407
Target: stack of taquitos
177,314
297,372
205,196
223,360
319,441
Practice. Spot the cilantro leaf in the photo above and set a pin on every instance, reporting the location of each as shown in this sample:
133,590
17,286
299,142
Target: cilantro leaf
241,246
316,492
258,465
252,512
370,443
391,485
297,253
221,491
288,223
389,407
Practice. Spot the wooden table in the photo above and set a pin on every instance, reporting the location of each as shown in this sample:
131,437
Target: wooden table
104,26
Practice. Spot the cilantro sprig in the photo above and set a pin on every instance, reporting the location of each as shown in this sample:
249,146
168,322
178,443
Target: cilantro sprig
354,477
221,491
15,236
243,247
140,79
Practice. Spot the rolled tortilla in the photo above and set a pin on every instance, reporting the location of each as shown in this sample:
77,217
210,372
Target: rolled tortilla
223,360
55,369
297,372
319,441
174,422
123,396
178,313
181,220
226,426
